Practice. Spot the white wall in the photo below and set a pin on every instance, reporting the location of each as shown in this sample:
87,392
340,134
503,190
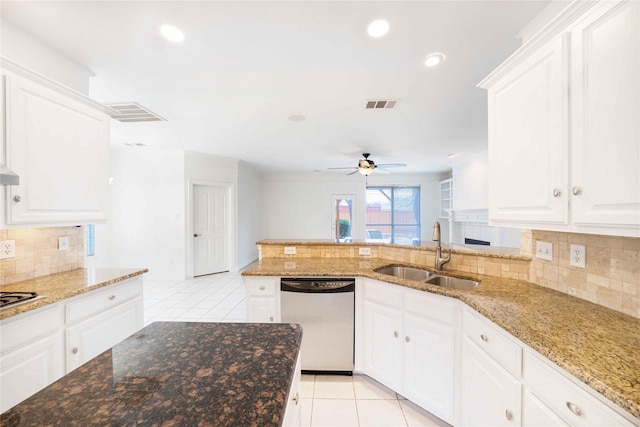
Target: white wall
471,183
299,206
32,53
249,215
146,225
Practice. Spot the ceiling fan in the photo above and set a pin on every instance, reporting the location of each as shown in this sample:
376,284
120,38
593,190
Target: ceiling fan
366,166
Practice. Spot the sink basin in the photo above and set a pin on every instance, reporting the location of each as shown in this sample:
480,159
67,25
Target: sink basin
425,276
452,282
405,272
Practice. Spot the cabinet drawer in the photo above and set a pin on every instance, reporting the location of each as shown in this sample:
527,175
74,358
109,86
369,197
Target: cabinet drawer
565,397
435,307
488,337
98,301
25,328
262,287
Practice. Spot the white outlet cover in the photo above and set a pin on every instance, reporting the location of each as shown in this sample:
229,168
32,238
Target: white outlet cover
364,251
577,256
290,250
8,249
544,250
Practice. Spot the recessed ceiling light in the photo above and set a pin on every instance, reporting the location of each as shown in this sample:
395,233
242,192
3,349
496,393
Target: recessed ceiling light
297,118
171,33
378,28
433,59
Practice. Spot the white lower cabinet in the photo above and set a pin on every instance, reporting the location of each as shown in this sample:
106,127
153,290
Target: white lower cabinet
40,346
292,415
88,339
409,347
31,353
490,395
536,413
262,299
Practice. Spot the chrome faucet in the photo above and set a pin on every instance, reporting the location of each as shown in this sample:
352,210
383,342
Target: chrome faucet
436,238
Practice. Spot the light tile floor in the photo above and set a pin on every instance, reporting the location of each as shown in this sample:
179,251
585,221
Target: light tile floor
327,400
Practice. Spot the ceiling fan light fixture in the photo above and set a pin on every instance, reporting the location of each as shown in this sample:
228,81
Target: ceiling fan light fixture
365,171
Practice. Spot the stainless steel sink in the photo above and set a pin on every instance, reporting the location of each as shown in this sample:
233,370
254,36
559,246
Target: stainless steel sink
452,282
408,273
425,276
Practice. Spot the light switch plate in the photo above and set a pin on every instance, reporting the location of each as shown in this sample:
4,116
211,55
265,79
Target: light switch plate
8,249
577,256
289,250
63,243
544,250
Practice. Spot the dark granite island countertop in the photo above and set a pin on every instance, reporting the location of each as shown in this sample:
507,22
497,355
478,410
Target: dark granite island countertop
174,374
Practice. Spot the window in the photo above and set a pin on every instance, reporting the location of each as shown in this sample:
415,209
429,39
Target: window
91,239
393,215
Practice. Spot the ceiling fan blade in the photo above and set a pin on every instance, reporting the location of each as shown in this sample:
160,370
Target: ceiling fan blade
344,168
381,170
393,165
355,171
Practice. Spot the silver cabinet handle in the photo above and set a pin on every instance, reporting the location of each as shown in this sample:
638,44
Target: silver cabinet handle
296,398
262,288
270,318
395,334
17,199
74,350
556,192
407,339
574,408
112,297
484,338
197,235
576,191
508,415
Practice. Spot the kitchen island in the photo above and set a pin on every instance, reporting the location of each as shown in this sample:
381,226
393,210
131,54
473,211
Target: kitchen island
176,373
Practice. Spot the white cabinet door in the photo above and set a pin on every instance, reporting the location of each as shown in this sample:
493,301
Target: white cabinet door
88,339
528,140
292,413
31,368
60,148
605,105
490,396
537,414
383,350
429,365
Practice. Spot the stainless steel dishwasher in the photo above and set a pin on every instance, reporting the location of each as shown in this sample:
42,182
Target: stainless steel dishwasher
325,309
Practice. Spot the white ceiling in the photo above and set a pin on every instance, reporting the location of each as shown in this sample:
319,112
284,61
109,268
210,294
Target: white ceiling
245,67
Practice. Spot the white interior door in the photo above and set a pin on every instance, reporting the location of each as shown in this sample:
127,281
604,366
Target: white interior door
210,229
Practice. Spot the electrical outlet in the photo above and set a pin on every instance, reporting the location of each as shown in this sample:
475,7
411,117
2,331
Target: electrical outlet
544,250
572,291
8,249
289,250
577,256
364,251
63,243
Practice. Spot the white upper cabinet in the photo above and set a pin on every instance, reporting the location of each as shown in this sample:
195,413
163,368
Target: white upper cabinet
59,146
605,106
564,133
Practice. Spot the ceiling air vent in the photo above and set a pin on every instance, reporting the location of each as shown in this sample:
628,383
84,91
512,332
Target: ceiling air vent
133,112
381,103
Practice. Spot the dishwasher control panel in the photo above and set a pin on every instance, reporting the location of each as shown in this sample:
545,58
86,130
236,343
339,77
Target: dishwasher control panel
318,285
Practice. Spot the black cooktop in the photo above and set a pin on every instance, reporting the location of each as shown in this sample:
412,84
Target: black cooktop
10,298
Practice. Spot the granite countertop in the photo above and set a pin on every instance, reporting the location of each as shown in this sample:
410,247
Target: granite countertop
175,373
60,286
597,345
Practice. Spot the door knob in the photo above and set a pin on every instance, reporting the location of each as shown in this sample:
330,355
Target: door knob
196,235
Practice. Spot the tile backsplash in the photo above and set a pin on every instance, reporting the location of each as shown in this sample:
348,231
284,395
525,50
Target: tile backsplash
37,252
611,276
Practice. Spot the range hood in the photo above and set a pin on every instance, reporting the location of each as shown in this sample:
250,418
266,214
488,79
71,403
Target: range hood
8,177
